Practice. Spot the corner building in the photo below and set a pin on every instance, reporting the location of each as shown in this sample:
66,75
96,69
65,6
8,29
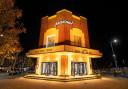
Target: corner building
64,49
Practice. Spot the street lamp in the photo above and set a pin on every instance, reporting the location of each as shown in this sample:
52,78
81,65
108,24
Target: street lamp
1,35
114,41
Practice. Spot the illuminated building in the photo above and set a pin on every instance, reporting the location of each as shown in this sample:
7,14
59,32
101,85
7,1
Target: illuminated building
64,49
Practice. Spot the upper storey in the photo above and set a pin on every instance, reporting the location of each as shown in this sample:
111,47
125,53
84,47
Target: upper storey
64,28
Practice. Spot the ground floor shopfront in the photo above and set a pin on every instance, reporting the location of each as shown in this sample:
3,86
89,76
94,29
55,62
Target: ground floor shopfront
63,63
50,68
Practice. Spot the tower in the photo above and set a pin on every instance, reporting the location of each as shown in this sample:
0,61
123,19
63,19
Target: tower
67,28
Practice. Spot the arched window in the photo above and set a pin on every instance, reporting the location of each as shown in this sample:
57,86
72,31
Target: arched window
50,41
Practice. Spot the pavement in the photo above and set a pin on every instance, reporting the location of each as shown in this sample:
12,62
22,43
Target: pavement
117,75
107,82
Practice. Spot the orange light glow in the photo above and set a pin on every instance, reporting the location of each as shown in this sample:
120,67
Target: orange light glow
66,59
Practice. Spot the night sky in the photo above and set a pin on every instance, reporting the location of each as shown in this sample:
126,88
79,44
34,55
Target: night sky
106,20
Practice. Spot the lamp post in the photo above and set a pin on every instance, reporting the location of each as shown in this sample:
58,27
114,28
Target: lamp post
1,35
114,56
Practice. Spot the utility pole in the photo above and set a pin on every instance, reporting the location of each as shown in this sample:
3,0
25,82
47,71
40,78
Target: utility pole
114,56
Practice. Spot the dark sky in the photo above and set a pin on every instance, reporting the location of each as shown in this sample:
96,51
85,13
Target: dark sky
106,20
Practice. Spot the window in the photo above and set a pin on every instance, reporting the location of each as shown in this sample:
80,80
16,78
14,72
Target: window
77,40
50,41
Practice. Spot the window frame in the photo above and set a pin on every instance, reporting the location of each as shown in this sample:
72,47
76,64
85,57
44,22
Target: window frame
47,44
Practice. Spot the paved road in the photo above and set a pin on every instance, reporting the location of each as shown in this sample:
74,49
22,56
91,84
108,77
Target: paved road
104,83
4,75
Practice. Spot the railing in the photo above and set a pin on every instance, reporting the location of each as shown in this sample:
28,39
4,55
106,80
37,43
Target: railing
64,43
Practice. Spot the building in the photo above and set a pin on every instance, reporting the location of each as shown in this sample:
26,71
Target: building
64,49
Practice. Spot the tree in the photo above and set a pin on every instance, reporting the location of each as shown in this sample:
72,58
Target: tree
10,28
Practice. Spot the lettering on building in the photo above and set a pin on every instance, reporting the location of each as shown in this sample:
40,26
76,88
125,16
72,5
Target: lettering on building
63,21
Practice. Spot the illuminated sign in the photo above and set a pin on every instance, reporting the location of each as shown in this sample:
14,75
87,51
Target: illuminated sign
63,21
76,49
47,50
63,48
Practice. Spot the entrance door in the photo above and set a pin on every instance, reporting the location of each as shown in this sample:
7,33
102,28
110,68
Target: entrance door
78,68
49,68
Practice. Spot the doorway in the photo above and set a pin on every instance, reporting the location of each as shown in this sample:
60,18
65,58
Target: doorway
49,68
78,68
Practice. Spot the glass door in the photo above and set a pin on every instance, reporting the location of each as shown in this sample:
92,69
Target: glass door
49,68
78,68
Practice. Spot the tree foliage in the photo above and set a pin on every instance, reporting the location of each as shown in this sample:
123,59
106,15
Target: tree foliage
10,28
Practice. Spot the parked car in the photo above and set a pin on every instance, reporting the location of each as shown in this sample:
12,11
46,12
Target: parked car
3,69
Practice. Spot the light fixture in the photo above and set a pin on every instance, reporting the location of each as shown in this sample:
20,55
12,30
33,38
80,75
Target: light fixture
1,35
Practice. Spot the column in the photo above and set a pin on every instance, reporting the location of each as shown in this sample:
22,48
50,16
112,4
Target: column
64,65
38,66
89,66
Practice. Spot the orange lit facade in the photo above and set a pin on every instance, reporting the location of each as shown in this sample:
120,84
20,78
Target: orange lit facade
64,49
